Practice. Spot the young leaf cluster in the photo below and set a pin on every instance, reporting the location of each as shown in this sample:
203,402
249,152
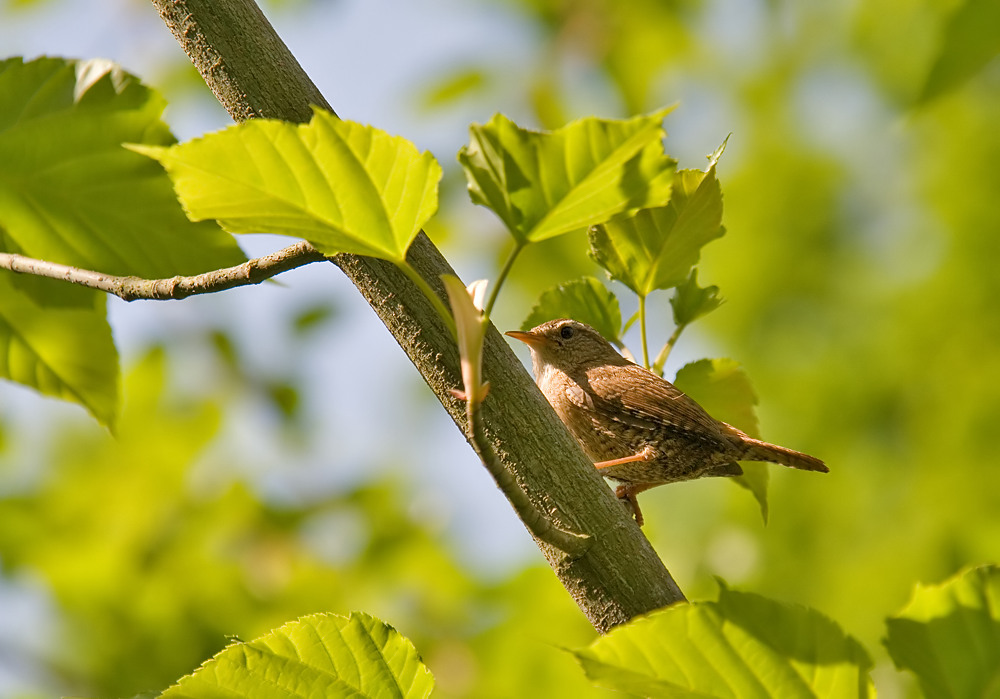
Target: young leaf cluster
657,248
649,247
545,184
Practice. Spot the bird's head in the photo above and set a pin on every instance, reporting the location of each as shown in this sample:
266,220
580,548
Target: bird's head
567,345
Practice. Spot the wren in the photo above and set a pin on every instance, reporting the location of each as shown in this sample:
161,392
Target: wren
638,428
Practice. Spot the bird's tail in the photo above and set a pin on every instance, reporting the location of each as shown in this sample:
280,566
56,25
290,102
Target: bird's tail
756,450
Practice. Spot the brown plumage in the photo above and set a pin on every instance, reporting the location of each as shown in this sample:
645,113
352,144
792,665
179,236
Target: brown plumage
639,429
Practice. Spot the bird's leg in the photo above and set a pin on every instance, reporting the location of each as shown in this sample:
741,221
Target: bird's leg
628,492
644,455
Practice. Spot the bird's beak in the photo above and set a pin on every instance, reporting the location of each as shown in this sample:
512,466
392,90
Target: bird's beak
529,338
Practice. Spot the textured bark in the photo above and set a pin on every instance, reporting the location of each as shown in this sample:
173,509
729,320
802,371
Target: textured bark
620,576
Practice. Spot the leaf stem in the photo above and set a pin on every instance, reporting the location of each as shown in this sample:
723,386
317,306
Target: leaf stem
661,358
504,271
435,300
642,330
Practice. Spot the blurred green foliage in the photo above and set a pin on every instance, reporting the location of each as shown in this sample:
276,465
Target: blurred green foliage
860,275
156,554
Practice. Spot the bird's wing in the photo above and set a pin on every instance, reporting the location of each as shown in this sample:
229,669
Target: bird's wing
646,398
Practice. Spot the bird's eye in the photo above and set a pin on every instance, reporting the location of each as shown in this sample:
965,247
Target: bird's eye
566,332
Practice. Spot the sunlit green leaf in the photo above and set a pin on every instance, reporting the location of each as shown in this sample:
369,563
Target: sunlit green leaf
742,646
971,40
586,300
70,193
342,186
318,656
691,301
724,390
948,635
657,247
543,184
63,352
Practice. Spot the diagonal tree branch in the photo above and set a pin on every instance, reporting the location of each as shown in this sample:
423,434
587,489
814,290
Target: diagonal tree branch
134,288
254,75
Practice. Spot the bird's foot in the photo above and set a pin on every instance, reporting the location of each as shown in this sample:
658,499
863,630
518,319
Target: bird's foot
628,493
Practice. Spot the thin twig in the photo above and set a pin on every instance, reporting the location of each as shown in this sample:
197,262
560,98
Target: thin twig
134,288
504,271
661,358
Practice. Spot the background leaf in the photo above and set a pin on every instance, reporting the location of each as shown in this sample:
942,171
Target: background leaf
948,635
724,390
544,184
971,40
586,300
657,247
66,352
318,656
342,186
742,646
69,191
691,301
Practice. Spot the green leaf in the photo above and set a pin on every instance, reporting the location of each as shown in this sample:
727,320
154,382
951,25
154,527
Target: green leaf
544,184
70,193
971,40
742,646
723,389
64,352
948,635
691,301
342,186
586,300
657,247
323,655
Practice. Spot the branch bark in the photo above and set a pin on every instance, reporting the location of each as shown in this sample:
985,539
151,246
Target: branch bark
254,75
134,288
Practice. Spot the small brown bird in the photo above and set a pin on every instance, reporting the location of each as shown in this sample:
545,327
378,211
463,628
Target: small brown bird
638,428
